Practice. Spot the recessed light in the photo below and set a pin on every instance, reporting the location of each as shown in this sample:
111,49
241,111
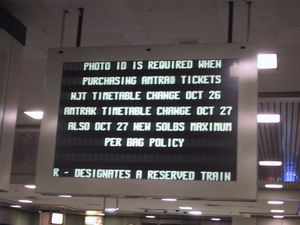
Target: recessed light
270,163
215,219
275,202
37,115
111,210
185,208
276,186
30,186
268,118
195,213
169,199
266,61
15,206
278,217
277,211
150,217
65,196
24,201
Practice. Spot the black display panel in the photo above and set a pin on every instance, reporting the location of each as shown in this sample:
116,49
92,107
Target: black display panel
155,120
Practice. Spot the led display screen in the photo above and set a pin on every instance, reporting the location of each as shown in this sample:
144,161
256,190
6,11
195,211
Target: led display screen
148,119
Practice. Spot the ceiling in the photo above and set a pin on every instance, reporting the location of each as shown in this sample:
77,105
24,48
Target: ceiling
274,26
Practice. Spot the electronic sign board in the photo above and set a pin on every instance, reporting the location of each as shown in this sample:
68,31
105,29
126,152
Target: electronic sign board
154,118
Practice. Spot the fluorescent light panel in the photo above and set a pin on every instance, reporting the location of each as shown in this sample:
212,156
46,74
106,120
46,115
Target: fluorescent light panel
275,202
275,186
30,186
110,210
268,118
150,217
195,213
37,115
65,196
24,201
270,163
266,61
185,208
15,206
278,217
277,211
169,199
215,219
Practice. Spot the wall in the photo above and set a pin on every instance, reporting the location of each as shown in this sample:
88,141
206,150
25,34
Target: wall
11,53
235,221
139,221
18,217
278,221
264,221
74,220
79,220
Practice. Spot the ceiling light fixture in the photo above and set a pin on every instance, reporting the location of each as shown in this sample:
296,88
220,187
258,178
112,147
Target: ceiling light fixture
65,196
37,115
270,163
275,186
266,61
30,186
169,199
268,118
15,206
275,202
185,208
24,201
111,210
195,213
278,217
215,219
150,217
277,211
